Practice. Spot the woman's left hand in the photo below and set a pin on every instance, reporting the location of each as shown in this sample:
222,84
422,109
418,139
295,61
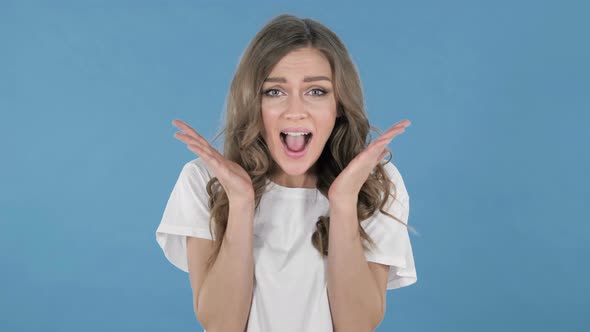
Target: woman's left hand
349,182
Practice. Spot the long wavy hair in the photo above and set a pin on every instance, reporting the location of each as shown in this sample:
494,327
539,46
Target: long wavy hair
245,146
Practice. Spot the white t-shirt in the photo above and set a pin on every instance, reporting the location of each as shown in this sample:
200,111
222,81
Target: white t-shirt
290,289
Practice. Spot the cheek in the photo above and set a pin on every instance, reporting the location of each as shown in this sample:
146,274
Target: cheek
268,122
327,117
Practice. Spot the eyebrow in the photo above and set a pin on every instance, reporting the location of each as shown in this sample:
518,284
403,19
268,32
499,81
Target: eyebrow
305,79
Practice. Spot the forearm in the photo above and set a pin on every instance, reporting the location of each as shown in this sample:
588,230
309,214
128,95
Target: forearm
355,299
226,294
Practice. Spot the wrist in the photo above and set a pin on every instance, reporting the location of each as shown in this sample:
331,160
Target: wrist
343,202
242,204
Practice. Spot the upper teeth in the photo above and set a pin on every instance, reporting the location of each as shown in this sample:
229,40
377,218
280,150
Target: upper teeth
295,133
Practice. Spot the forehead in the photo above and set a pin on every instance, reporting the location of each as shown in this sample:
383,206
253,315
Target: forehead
302,62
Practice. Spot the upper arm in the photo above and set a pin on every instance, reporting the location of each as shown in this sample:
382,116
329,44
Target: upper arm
198,251
380,273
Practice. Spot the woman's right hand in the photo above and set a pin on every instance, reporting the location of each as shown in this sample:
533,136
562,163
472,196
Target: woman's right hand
234,179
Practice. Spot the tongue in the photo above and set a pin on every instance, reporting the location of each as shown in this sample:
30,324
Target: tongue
295,143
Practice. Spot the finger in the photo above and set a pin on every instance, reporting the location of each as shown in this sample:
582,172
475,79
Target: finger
406,123
377,147
393,130
211,159
386,138
189,130
402,124
200,152
196,149
188,139
395,126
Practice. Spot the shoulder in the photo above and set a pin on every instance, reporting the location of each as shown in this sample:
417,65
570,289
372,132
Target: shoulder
394,173
396,178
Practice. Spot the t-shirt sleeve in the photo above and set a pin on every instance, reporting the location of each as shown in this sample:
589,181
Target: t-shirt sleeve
392,239
186,213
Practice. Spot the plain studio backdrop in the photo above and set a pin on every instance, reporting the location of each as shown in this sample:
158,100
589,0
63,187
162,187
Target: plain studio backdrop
496,160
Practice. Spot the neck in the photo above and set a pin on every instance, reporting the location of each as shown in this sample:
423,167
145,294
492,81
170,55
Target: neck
306,180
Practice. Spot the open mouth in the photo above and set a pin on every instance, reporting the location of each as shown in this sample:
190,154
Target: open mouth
296,149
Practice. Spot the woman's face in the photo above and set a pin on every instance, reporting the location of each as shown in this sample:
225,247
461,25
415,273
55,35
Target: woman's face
298,93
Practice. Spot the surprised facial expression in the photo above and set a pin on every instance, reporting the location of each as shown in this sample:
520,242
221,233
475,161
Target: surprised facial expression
298,110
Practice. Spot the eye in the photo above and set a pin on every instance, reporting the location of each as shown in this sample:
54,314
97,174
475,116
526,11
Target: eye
319,92
266,93
323,92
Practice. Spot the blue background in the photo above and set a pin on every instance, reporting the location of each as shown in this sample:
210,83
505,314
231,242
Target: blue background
495,161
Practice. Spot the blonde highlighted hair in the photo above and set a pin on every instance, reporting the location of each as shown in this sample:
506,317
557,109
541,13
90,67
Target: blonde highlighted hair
245,145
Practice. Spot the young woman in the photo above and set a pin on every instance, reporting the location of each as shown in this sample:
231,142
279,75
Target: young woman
297,225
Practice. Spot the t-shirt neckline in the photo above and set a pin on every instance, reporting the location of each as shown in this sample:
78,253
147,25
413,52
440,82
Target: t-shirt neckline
294,192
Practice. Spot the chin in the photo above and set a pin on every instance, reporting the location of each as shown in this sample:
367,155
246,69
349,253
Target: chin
293,169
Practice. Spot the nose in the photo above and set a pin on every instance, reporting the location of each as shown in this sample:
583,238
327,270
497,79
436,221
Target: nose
295,109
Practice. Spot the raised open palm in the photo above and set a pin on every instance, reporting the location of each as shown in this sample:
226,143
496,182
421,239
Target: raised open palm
349,182
234,179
